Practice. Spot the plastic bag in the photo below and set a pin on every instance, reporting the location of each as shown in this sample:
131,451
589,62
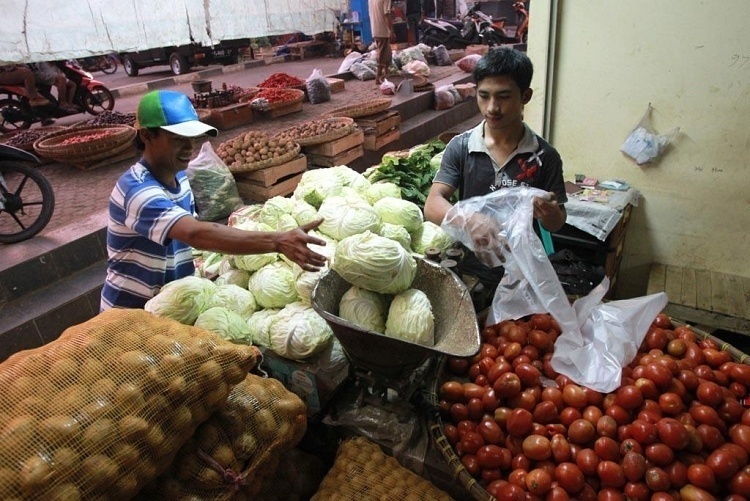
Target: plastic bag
364,70
387,87
643,144
410,54
417,68
597,339
468,63
214,189
348,61
318,88
444,98
442,58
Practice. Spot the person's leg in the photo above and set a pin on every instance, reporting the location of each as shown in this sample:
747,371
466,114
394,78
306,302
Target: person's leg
380,44
23,76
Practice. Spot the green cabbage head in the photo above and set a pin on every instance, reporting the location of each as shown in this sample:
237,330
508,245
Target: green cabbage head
343,217
226,324
273,285
381,189
258,324
374,263
235,298
350,178
402,212
182,300
298,332
234,276
398,233
316,185
303,212
410,318
365,308
430,235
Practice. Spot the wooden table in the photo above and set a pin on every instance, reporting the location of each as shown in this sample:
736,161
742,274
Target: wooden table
704,297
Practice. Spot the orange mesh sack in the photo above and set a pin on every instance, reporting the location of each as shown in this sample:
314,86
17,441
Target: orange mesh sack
297,477
362,471
237,448
101,411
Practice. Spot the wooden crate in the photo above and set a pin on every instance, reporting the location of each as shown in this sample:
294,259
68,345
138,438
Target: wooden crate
281,112
229,117
251,192
337,84
301,50
374,143
333,148
271,175
380,123
343,158
704,297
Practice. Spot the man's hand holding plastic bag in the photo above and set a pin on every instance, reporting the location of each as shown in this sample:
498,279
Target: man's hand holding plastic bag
597,339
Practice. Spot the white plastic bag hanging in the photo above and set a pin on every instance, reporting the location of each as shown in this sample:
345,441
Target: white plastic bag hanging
214,188
643,144
597,339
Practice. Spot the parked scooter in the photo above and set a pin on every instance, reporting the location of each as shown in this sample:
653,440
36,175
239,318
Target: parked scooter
26,197
91,96
105,63
477,28
449,33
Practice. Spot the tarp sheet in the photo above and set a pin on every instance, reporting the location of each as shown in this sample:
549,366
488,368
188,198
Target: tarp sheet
49,30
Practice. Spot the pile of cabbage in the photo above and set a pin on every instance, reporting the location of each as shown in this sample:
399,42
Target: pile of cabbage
371,237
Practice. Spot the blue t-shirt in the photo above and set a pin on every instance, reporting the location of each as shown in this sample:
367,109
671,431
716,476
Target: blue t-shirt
142,258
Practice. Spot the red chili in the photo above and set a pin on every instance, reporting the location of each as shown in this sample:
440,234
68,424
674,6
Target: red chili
280,80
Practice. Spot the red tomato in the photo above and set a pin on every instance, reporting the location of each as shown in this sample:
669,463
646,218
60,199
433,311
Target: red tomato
537,447
453,391
709,393
451,433
507,385
538,481
458,366
528,374
520,462
723,464
610,494
560,448
677,472
494,486
657,479
673,433
692,493
630,445
472,442
607,449
740,435
740,483
519,422
711,437
659,454
592,413
637,491
634,466
545,412
587,461
663,321
671,403
611,474
570,477
490,475
606,426
471,464
581,432
475,408
557,493
472,390
491,432
740,373
570,414
490,456
510,492
629,396
574,396
459,412
701,476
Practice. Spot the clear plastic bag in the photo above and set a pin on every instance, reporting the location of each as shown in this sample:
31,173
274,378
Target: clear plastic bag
597,339
318,88
643,144
214,189
387,87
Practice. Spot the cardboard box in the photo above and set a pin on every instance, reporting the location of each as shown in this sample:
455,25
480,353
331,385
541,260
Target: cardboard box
314,380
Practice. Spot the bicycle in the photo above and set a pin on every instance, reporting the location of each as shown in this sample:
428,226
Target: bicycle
27,200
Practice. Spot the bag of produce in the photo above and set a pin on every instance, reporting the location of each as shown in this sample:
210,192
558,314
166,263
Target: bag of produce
364,70
318,88
442,58
468,63
102,410
231,454
296,478
364,472
213,185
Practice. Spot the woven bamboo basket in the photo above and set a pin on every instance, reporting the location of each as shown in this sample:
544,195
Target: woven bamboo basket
30,135
361,110
298,97
114,143
471,483
263,164
247,94
293,133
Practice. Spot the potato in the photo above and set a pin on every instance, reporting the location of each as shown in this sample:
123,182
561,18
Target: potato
210,373
207,478
59,430
127,486
65,462
89,413
35,475
145,470
99,471
129,398
31,405
177,388
91,369
155,439
63,372
217,395
18,432
129,340
8,483
207,435
125,455
224,455
63,492
69,400
99,434
172,364
134,362
132,428
180,421
103,388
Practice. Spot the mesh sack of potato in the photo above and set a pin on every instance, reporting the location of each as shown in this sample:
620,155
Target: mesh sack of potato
230,454
101,411
362,471
296,478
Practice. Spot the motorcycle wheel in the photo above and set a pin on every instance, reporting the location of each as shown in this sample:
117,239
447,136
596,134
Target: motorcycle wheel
28,202
99,99
109,65
14,115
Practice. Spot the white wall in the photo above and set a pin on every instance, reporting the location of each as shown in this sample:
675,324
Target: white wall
691,60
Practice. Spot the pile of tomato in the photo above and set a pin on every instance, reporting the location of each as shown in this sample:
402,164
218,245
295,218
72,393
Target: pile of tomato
85,138
675,429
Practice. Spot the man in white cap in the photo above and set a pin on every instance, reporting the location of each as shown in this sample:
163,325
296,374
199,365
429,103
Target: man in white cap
152,226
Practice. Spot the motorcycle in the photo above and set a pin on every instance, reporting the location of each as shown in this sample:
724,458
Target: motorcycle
91,96
26,197
477,28
105,63
444,32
